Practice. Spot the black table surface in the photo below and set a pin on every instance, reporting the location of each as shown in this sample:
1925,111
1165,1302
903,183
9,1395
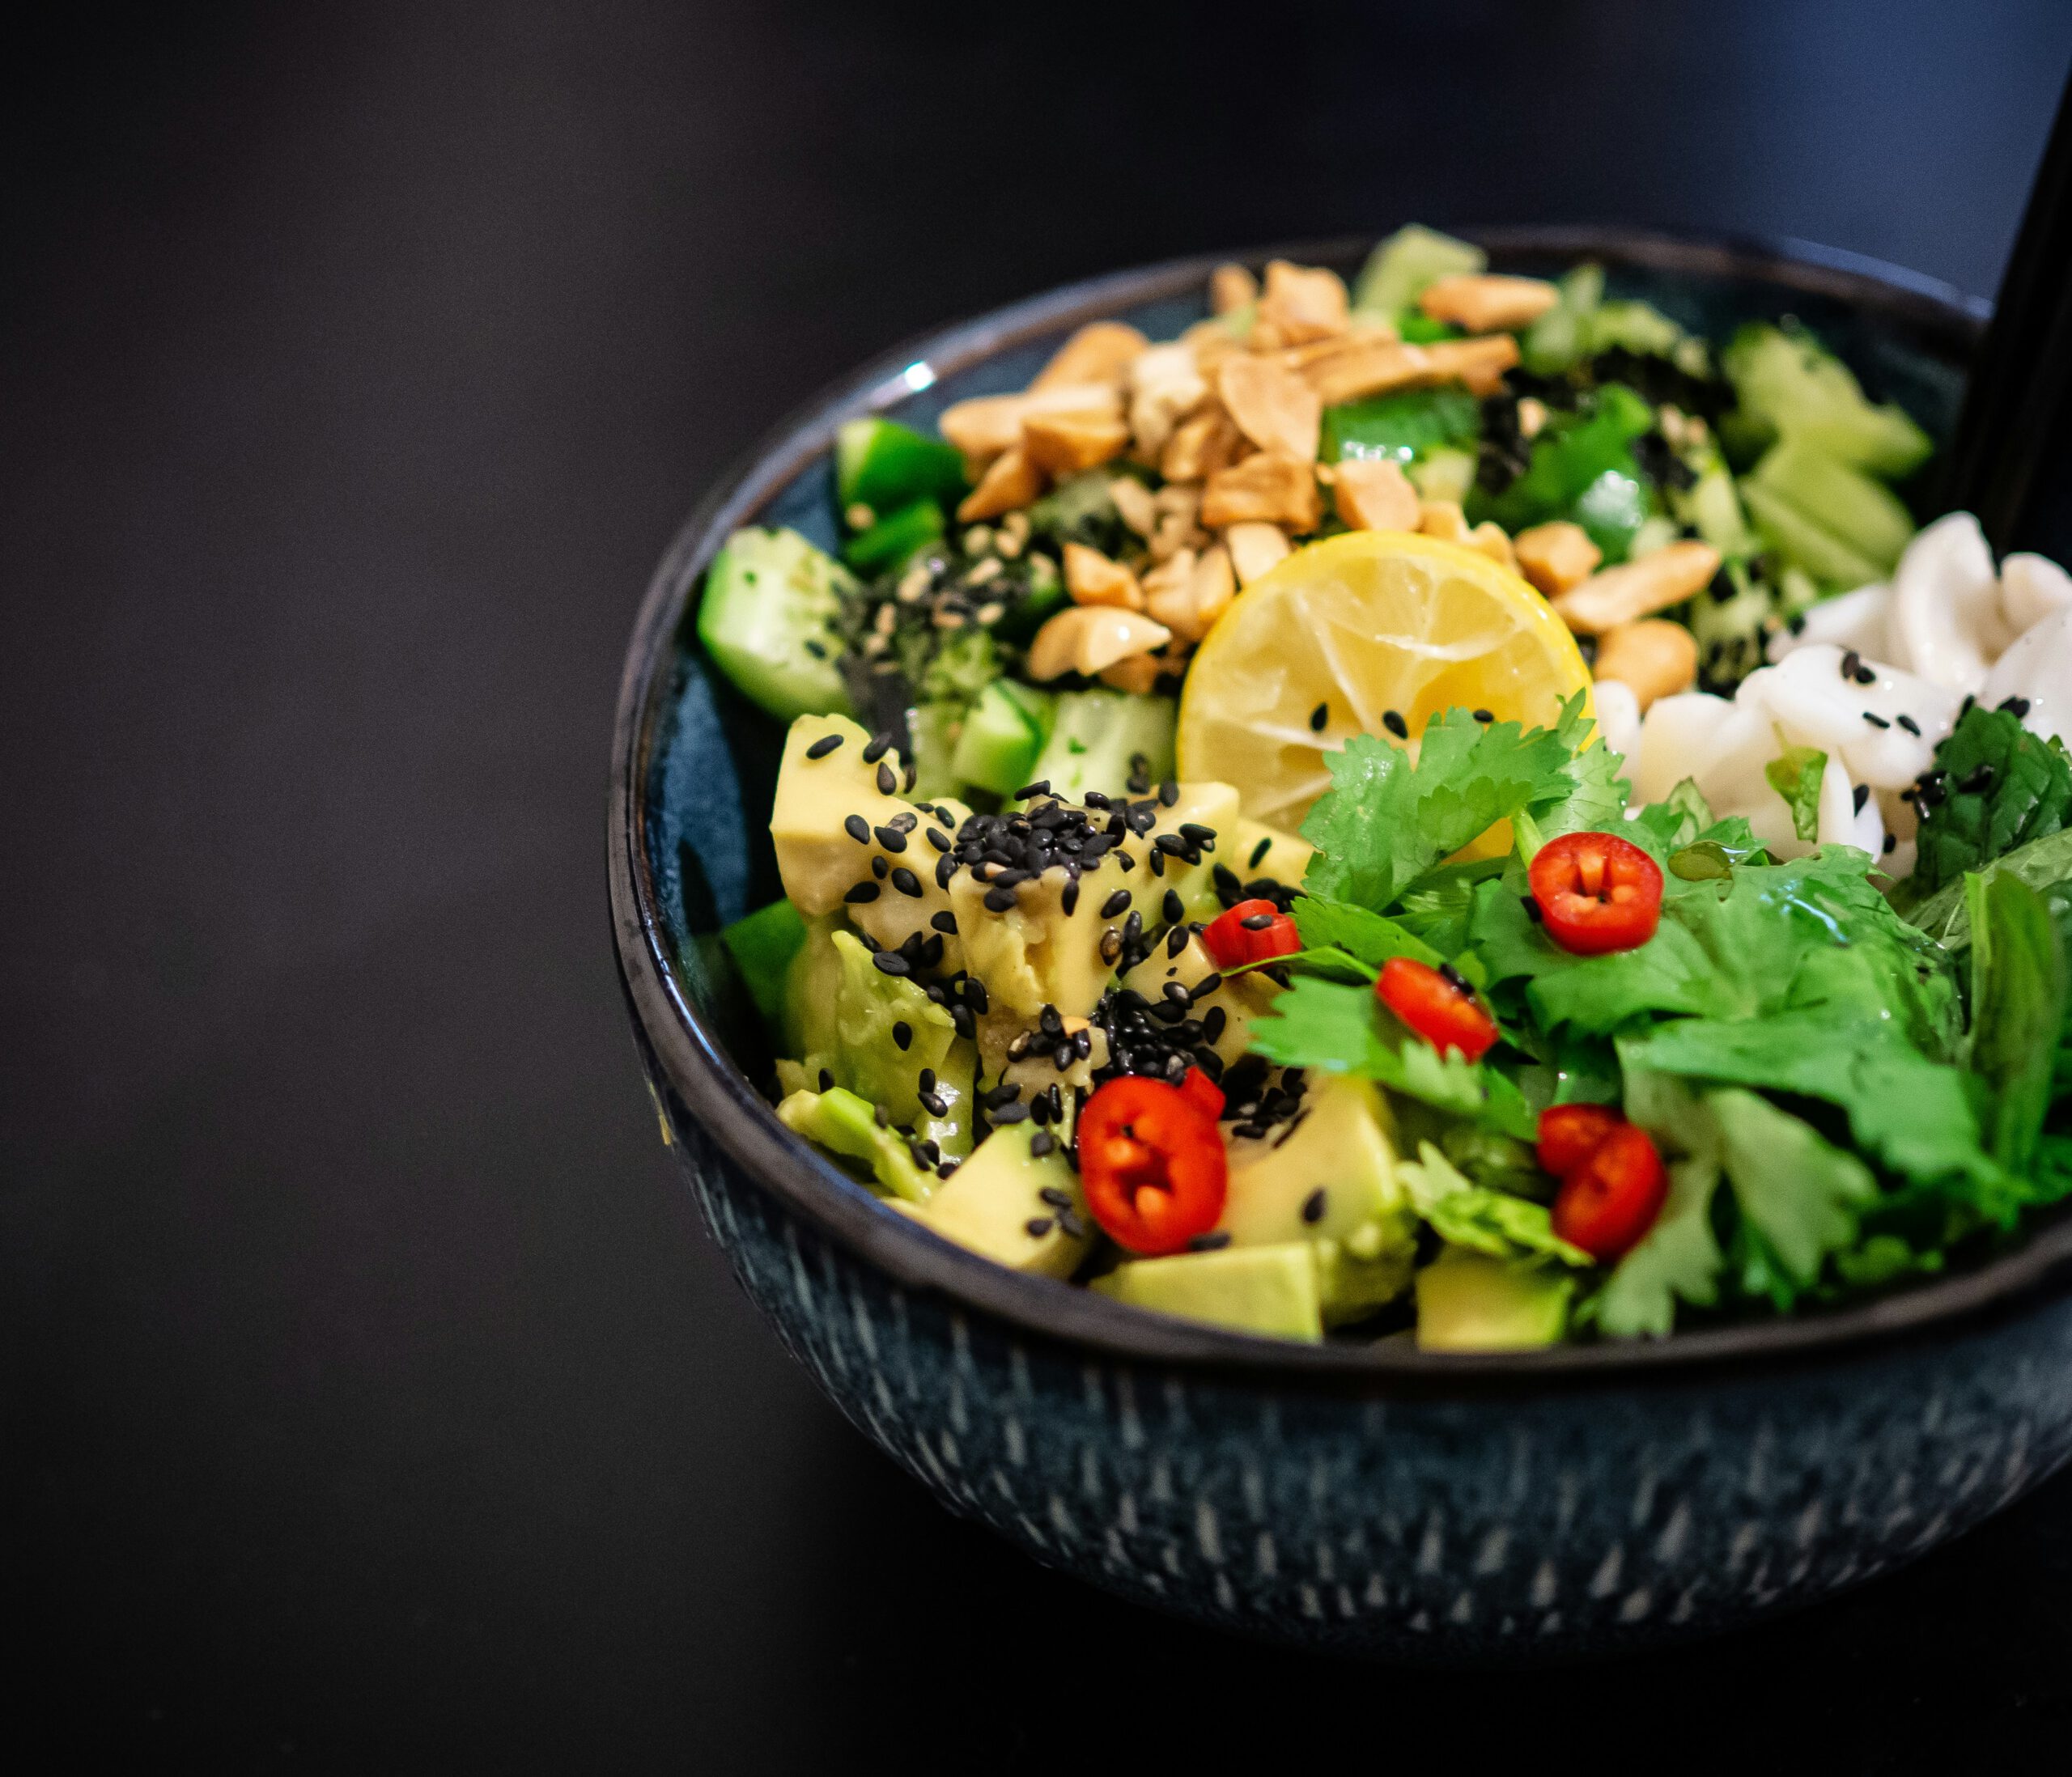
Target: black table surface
372,1398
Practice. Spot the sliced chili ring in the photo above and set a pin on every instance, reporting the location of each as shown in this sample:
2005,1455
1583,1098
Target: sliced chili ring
1570,1134
1596,893
1441,1009
1152,1163
1251,932
1610,1200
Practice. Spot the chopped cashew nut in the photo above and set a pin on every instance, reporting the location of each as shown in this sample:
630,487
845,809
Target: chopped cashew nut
1093,579
1556,557
1443,520
1188,593
1065,443
984,427
1256,550
1273,407
1638,589
1178,526
1301,304
1532,416
1089,639
1381,365
1374,494
1100,352
1267,487
1486,303
1231,287
1164,385
1200,447
1495,542
1139,674
1134,503
1012,480
1653,658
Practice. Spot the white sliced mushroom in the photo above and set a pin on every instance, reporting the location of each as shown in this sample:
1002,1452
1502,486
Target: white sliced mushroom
2037,667
2031,588
1945,623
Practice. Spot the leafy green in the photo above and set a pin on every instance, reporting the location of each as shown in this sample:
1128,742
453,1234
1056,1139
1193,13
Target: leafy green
1678,1259
1399,269
1440,906
1946,915
1592,795
1402,427
1582,469
1795,774
1789,384
1372,938
2017,1008
1386,821
1799,1193
2004,787
762,945
1474,1216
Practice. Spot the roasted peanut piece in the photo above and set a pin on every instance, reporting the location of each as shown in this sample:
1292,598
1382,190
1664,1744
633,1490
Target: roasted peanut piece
1268,488
1100,352
1638,589
1381,365
1255,549
1231,287
1654,658
1011,481
1093,579
1556,557
1532,416
1443,519
1374,494
1089,639
1487,304
1302,302
1495,542
1272,407
1065,443
983,428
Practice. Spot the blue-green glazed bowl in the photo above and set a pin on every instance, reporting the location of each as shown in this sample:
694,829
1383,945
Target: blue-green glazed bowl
1369,1500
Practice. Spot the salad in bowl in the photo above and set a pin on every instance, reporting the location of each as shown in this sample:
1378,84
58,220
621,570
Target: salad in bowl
1446,808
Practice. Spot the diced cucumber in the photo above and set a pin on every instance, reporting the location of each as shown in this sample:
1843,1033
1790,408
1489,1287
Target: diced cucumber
1862,514
884,465
889,542
1712,508
1804,544
771,601
1446,473
1397,271
1789,384
1095,736
933,729
762,946
1003,734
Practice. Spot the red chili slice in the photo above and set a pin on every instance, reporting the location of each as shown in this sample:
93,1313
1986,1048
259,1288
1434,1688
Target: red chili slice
1570,1134
1231,940
1596,892
1443,1011
1152,1163
1198,1089
1613,1196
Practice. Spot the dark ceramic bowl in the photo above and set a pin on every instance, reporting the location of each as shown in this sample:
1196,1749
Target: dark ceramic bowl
1371,1500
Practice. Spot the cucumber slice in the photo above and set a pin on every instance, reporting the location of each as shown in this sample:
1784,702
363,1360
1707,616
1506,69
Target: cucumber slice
889,542
1863,514
1095,737
762,946
1397,271
1788,382
771,601
933,729
884,465
1003,734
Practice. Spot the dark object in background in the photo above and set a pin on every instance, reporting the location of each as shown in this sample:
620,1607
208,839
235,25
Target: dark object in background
2011,462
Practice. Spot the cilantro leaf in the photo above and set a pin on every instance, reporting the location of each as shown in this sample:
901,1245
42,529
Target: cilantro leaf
1677,1260
1372,938
1946,915
1386,821
1473,1215
1800,1193
1593,794
1795,774
1439,907
1677,820
2017,1008
2002,786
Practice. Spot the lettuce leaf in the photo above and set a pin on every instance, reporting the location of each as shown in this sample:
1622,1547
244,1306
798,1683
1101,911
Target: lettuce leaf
1678,1259
2000,788
1800,1193
1473,1215
2018,1009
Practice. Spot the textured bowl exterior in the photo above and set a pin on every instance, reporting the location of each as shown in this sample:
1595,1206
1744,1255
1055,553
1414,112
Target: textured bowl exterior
1369,1500
1484,1531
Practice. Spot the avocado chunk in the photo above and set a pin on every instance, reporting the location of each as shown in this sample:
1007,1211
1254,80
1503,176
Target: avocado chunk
846,1125
1240,997
872,1011
767,594
1006,1203
810,984
1469,1301
1270,1290
1255,849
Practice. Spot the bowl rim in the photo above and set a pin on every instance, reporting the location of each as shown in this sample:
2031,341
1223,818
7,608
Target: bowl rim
679,1041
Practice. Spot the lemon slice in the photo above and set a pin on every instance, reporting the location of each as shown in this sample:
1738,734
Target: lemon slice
1359,627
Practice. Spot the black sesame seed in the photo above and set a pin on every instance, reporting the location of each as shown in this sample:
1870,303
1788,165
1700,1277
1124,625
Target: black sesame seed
1040,787
1318,717
857,827
881,868
1042,1142
974,995
945,1169
1875,720
961,1017
1036,1226
1313,1206
1212,1026
1909,723
861,893
939,839
875,747
1866,676
1010,1114
906,882
1176,940
902,1034
1862,794
945,922
1173,908
1259,852
2016,707
1256,922
999,901
1069,901
1891,843
1850,662
826,745
945,868
1485,717
892,962
1115,903
1977,780
1531,909
827,1081
1396,724
887,782
1214,1241
1169,792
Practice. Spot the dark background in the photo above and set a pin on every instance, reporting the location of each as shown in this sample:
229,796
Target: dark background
371,1396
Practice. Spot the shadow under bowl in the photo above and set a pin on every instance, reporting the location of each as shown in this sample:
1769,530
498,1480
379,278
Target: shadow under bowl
1370,1499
